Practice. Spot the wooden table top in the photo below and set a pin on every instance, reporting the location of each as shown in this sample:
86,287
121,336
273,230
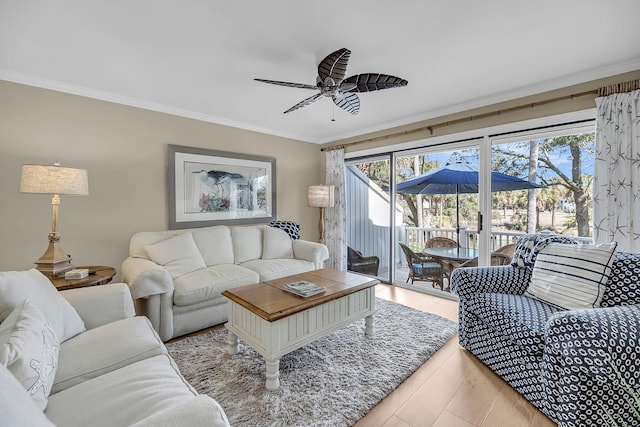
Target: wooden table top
269,301
103,275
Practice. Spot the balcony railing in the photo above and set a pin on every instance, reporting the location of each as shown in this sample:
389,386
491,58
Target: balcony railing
417,236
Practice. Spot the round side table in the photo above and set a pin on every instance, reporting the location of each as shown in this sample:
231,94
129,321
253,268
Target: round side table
103,275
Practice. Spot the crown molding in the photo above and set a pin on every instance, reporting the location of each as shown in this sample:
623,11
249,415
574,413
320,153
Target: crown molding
57,86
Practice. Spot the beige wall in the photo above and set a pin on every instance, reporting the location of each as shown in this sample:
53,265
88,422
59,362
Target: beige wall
124,150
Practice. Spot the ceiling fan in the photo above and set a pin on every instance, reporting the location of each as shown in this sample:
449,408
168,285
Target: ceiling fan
331,83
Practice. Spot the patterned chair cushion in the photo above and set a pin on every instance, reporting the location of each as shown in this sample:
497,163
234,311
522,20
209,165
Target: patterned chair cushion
292,228
623,287
518,319
529,245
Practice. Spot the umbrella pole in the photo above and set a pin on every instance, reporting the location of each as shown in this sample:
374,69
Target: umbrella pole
457,215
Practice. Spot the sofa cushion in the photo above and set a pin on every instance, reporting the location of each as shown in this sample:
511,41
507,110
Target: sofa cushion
121,397
518,319
16,286
179,255
93,353
277,244
247,243
210,282
528,246
202,410
17,408
29,349
269,269
215,245
571,277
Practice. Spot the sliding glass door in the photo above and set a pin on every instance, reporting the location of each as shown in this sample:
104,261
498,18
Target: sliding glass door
389,203
370,216
561,160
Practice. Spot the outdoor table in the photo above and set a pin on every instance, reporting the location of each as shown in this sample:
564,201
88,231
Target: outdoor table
452,253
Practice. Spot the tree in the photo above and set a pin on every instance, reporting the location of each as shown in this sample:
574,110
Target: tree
575,146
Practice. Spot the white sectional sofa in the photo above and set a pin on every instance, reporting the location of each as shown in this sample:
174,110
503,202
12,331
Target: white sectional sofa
176,277
81,358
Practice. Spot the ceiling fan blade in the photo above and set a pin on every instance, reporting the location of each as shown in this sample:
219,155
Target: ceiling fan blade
334,65
304,102
369,82
289,84
348,102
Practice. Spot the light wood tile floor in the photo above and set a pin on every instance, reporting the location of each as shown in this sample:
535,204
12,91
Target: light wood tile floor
453,388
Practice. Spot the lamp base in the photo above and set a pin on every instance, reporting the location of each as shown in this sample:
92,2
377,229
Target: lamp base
54,262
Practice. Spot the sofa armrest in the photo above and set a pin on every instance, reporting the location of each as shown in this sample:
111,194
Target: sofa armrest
602,342
317,253
466,282
145,278
201,411
99,305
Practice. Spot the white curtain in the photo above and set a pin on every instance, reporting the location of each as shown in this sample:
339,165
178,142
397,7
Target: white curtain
616,188
336,217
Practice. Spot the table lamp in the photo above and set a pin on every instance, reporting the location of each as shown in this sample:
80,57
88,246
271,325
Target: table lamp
55,180
320,196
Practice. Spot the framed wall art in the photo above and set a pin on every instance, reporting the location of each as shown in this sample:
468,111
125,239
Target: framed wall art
209,187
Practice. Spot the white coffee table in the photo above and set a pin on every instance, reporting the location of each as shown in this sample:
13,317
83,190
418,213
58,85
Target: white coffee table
275,322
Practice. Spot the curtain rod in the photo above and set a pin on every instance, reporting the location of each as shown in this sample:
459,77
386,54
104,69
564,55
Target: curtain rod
619,88
430,128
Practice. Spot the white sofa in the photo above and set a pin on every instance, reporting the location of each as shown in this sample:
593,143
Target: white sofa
177,277
81,358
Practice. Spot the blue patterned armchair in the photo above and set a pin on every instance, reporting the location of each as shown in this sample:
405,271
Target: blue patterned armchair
579,367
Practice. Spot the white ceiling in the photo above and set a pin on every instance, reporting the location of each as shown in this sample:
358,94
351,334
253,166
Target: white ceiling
198,58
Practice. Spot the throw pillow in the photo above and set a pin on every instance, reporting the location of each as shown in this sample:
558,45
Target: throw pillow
17,408
215,245
571,276
247,243
16,286
528,246
292,228
179,255
29,349
277,244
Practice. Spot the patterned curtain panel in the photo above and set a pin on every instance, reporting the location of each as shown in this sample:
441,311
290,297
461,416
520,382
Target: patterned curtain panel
335,219
616,188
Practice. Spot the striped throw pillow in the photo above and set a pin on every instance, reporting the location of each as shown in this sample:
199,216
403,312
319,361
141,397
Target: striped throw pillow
571,276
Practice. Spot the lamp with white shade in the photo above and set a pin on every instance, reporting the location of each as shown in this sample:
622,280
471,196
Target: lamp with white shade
55,180
320,196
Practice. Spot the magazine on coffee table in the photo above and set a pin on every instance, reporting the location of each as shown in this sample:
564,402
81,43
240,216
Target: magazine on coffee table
303,288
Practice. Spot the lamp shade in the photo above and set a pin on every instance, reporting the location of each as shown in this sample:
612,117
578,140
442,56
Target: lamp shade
54,179
320,196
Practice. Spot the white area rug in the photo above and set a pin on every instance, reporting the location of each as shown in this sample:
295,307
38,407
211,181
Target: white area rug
333,382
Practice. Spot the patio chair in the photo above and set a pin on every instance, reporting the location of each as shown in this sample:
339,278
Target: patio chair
497,258
423,267
440,242
508,250
362,264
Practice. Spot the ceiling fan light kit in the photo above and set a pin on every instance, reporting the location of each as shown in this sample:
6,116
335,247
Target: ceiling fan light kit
332,83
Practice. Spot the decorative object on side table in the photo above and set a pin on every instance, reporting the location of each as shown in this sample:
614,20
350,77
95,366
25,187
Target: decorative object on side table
98,275
55,180
320,196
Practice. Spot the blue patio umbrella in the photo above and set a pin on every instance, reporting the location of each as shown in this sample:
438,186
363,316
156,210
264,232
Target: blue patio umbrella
459,177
